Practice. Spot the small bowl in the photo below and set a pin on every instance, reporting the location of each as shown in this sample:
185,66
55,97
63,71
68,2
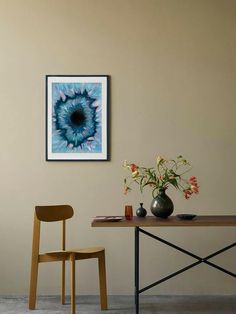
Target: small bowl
186,216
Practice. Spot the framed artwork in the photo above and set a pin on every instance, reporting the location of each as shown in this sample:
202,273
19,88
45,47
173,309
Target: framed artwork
77,117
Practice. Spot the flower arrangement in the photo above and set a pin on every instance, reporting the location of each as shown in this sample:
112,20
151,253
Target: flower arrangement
166,172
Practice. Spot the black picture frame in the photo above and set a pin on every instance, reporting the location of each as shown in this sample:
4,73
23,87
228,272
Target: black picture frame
77,117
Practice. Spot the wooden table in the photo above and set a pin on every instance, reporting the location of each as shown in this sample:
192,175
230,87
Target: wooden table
172,221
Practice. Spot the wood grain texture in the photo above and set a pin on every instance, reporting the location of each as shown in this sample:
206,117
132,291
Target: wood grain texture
172,221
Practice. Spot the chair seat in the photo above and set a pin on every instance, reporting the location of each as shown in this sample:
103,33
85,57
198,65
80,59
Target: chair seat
88,250
60,255
83,250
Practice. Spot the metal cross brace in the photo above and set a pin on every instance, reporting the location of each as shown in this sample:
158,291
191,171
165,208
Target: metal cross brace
198,258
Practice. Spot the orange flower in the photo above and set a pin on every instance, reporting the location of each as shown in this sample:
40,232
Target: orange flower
193,180
126,190
133,167
193,184
187,194
194,188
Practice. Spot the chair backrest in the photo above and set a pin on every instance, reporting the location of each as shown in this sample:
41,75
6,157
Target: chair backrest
54,212
48,214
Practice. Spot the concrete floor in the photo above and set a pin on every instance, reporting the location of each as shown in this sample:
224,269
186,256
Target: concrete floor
124,305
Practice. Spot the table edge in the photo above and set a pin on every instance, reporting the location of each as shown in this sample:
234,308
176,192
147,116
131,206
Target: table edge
172,221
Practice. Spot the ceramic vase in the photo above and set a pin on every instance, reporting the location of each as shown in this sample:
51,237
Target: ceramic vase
141,212
162,206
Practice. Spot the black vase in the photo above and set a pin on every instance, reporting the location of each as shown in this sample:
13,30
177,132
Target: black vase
141,212
162,206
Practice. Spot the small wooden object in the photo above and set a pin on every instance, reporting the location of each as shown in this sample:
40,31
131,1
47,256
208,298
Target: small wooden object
128,212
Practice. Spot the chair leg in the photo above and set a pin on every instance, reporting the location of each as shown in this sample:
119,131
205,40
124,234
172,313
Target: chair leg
33,284
63,282
102,280
72,258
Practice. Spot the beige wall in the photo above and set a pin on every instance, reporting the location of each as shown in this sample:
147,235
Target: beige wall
173,68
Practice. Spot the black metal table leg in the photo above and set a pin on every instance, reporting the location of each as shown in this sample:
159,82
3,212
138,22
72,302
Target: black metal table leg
136,269
199,259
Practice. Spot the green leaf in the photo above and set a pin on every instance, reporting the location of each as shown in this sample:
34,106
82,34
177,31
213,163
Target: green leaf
174,183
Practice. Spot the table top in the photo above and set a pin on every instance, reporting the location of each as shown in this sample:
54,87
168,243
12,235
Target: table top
172,221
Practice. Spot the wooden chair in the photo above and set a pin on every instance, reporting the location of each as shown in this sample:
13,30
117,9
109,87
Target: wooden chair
61,213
